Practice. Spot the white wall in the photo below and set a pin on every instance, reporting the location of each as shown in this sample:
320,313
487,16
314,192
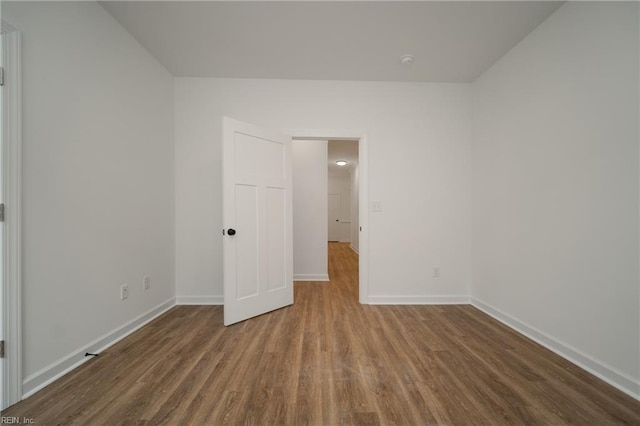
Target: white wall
341,184
97,181
555,158
310,210
419,168
355,208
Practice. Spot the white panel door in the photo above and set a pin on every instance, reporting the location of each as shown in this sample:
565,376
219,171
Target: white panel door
334,217
258,225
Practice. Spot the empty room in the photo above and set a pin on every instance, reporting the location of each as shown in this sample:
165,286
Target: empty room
320,212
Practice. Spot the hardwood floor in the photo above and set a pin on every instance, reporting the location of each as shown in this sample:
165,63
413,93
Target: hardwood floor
327,360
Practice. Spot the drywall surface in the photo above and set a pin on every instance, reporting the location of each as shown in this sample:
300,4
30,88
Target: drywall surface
97,180
555,194
310,210
419,170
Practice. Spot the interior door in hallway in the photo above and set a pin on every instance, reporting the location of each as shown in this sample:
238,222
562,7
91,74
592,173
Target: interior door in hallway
334,217
257,217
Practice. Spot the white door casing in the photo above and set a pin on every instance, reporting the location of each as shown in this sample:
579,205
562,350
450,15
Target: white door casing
11,197
2,255
257,209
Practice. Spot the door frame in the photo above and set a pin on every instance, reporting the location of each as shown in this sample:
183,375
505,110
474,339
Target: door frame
12,187
363,193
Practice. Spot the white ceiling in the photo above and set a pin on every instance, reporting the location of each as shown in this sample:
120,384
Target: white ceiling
452,41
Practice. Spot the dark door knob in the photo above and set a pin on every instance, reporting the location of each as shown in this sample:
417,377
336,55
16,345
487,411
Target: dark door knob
336,220
231,231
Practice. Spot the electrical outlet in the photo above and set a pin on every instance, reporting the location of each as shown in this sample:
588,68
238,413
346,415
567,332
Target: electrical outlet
124,291
146,282
436,272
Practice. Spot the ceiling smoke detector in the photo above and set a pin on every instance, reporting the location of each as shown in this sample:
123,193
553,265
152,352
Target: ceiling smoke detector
407,60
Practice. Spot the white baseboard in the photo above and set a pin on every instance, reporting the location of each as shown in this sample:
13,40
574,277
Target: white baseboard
617,379
57,369
311,277
418,300
199,300
354,248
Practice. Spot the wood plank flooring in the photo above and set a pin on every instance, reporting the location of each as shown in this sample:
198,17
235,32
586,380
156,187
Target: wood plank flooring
327,360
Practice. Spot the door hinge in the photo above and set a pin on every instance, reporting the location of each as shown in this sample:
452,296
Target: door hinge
2,212
1,76
1,348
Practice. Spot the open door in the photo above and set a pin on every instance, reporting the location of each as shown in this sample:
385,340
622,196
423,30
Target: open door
258,223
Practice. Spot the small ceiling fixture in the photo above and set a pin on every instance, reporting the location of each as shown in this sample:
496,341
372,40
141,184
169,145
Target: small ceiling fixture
341,163
406,59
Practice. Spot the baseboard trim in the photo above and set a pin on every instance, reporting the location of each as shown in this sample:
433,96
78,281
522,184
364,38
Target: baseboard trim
311,277
617,379
57,369
199,300
354,248
418,300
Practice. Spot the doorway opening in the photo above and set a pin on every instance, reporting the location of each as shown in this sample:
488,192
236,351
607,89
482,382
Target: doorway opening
358,220
342,160
342,208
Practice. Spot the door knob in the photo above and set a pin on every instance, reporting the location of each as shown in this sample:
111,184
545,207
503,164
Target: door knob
336,220
231,231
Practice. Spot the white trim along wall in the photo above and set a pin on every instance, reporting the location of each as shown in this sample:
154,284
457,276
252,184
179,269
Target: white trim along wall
73,360
616,378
